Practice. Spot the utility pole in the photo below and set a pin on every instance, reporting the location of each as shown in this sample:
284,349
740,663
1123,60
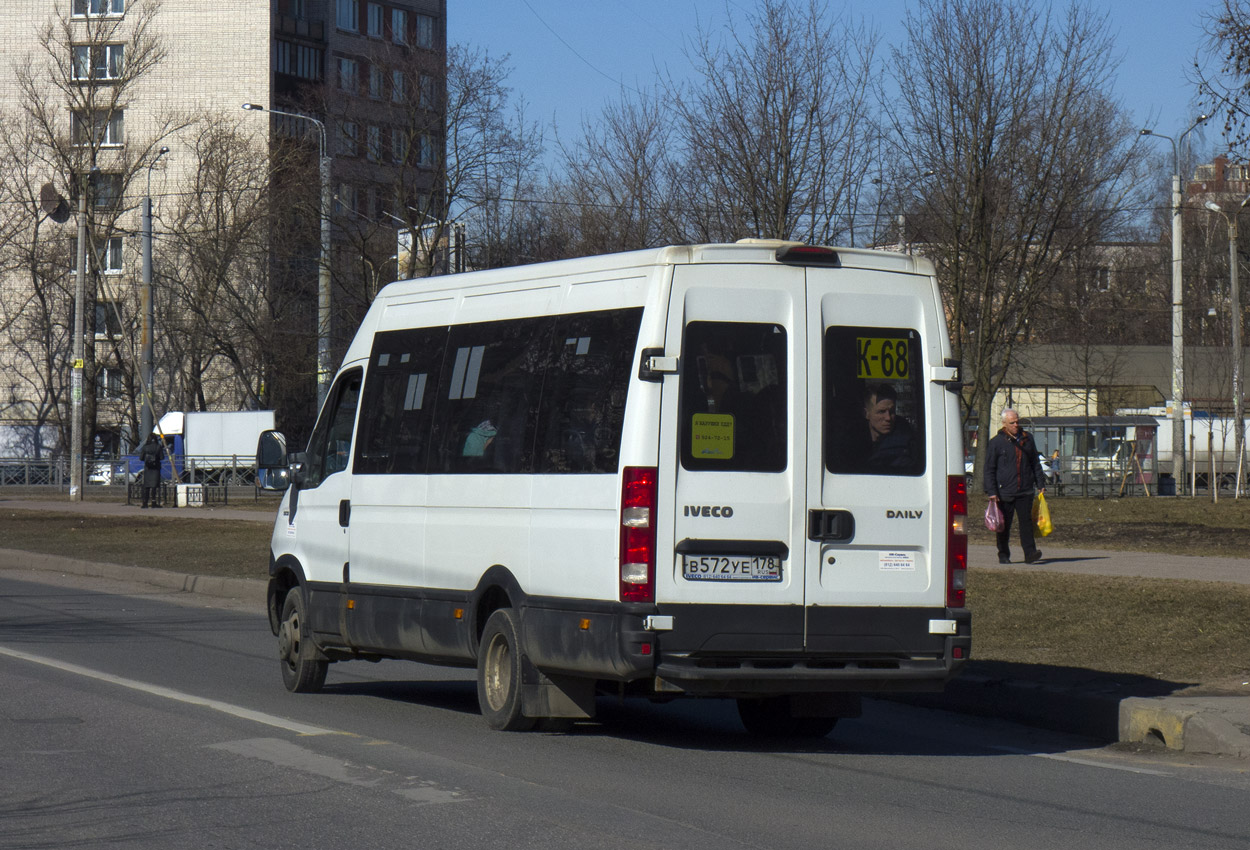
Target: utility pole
147,369
76,374
1178,315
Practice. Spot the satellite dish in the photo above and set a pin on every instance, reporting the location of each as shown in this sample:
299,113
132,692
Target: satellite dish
53,203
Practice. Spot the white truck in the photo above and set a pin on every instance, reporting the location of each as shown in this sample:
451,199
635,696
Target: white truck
207,442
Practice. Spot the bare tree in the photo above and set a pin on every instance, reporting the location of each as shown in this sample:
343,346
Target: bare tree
776,130
1033,163
221,315
621,178
75,88
1223,76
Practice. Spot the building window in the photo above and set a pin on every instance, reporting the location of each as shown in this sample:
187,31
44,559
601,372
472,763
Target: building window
106,190
425,31
107,324
399,26
1102,279
375,20
374,137
397,86
348,74
110,382
426,150
346,199
426,98
98,61
348,136
399,146
297,60
109,258
98,128
348,17
82,8
376,85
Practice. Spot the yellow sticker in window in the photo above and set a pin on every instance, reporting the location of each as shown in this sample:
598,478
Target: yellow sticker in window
712,436
883,359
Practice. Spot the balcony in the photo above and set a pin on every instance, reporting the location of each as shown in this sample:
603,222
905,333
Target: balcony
300,27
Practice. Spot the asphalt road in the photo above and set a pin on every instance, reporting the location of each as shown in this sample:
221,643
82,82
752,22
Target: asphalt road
148,720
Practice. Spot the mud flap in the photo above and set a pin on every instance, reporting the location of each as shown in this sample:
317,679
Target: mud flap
554,695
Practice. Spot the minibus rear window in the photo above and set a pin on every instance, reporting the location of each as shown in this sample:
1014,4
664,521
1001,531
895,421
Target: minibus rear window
733,397
873,401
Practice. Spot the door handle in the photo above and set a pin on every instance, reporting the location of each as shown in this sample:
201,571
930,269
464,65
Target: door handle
345,512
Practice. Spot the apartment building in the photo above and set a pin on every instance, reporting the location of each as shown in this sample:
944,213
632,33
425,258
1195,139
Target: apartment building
110,101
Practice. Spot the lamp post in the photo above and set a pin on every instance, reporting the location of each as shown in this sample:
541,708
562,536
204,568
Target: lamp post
78,353
146,369
1234,303
325,369
1178,316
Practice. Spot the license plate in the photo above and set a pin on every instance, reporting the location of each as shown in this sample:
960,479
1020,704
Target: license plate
731,567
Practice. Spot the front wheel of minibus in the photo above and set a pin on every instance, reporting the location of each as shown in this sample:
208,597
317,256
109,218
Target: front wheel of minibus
302,671
499,674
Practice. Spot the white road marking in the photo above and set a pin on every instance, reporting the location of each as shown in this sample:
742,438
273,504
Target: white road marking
1086,762
285,754
169,693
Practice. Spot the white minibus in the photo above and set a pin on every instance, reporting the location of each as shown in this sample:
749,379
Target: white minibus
707,470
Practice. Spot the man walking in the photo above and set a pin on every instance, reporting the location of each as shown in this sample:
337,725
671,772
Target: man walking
1013,473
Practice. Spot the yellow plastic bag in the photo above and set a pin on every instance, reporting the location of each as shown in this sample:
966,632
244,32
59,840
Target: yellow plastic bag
1041,515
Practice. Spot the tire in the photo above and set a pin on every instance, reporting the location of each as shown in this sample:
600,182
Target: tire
499,674
770,717
302,671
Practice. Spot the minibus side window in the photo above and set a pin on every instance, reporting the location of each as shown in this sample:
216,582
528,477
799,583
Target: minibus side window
583,400
330,447
733,397
873,401
399,399
489,391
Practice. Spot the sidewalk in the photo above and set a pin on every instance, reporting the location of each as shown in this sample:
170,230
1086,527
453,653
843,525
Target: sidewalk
1103,706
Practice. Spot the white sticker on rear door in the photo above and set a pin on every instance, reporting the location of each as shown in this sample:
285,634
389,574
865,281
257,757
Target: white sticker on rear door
896,561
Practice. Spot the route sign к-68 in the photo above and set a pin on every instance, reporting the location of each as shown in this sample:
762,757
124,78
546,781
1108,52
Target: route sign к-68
883,358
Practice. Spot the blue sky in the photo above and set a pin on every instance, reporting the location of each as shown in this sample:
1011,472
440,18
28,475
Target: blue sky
569,57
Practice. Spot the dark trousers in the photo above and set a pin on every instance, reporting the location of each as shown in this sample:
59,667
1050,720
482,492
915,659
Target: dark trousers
149,492
1019,508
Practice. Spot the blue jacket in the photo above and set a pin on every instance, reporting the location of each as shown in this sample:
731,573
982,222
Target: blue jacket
1012,466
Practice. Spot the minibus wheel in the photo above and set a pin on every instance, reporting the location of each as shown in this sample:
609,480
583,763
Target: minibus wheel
499,674
302,671
770,717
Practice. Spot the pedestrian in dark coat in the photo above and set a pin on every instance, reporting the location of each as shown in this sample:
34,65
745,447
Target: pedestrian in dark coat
151,454
1013,475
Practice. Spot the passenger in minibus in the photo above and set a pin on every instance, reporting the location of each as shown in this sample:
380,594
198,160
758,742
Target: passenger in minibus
891,439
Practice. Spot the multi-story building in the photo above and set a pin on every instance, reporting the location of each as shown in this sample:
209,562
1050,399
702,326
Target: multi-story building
110,101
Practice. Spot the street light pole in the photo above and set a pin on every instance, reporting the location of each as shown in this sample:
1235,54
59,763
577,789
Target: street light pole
146,369
1234,303
78,353
1178,315
325,367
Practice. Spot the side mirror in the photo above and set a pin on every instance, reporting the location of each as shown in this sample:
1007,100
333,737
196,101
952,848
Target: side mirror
272,470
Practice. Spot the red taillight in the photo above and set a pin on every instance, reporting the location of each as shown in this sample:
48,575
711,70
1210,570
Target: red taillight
956,540
638,534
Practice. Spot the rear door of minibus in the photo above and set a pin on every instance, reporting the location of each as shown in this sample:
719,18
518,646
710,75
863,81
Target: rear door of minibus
734,443
876,487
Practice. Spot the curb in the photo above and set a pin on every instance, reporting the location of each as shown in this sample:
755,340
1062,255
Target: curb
230,588
1190,724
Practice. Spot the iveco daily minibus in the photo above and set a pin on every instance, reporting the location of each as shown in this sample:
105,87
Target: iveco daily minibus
707,470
